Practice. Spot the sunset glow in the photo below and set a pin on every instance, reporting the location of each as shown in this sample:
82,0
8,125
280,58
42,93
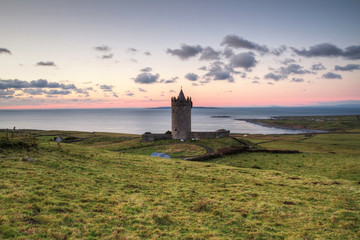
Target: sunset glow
116,54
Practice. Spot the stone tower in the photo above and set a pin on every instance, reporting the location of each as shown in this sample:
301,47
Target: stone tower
181,116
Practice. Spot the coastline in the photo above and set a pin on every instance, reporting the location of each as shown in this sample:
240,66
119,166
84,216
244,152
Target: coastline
262,124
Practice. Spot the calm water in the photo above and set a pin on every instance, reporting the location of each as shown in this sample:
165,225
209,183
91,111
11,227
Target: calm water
140,120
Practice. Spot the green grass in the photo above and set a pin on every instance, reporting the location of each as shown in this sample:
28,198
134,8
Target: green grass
112,189
327,123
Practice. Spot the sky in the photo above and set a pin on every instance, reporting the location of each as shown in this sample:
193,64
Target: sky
140,53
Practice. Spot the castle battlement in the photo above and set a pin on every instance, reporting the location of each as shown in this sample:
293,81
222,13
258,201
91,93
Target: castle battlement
181,102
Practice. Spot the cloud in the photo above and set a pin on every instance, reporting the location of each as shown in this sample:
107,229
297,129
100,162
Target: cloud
106,88
142,90
147,53
298,80
329,50
273,76
202,68
4,50
47,64
147,69
108,56
286,61
228,52
58,92
102,48
278,51
318,67
132,50
34,92
331,75
219,71
245,60
209,53
146,78
83,91
186,51
293,69
172,80
284,72
238,42
6,94
40,83
349,67
255,81
7,84
320,50
192,76
352,52
128,93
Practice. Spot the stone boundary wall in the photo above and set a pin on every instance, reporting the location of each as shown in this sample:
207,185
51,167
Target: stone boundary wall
204,135
150,137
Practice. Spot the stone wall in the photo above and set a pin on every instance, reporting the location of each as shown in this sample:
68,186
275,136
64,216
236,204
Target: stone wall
150,137
204,135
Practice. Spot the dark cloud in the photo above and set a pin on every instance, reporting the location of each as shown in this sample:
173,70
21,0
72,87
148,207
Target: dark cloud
115,95
106,88
7,84
297,80
83,91
6,94
58,92
102,48
40,83
238,42
255,81
329,50
284,72
228,52
147,69
146,78
34,91
349,67
331,75
352,52
186,51
219,71
192,76
47,64
278,51
4,50
320,50
293,69
172,80
273,76
318,67
108,56
147,53
286,61
245,60
209,53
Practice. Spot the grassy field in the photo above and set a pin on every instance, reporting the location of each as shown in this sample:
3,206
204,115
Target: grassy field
106,186
326,123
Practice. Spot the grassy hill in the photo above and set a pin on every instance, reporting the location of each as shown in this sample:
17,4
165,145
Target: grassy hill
106,186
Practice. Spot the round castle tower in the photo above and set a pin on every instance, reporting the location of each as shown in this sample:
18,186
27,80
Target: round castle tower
181,116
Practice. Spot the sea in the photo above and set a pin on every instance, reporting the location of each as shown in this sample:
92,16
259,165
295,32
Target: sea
158,120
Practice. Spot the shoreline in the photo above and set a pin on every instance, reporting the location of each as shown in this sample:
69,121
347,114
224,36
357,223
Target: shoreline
304,130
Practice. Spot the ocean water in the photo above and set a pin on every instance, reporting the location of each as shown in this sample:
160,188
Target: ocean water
158,120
